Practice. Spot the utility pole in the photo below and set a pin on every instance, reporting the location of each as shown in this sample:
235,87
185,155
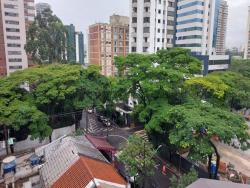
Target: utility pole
6,139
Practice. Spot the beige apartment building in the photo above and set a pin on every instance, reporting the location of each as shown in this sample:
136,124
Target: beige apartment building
105,41
247,47
222,28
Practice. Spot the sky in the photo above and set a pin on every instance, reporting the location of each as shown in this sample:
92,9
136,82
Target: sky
83,13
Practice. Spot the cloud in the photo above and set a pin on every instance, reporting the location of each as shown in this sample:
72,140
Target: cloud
83,13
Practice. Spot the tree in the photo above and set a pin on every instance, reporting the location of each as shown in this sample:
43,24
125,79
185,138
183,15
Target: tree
241,66
158,76
46,41
184,180
138,156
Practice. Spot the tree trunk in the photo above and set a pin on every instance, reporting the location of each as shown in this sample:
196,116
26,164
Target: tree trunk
209,166
6,139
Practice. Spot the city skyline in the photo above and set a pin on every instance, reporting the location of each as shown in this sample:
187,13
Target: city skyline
82,14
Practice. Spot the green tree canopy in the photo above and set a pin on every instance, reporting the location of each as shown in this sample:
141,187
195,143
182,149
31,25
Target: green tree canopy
183,126
46,41
184,180
138,156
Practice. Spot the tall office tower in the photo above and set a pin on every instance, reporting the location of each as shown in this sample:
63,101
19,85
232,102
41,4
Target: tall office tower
152,24
201,27
70,42
247,47
220,27
75,45
107,41
80,54
12,37
29,13
40,7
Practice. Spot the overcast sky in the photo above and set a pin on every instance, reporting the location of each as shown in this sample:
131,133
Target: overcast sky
83,13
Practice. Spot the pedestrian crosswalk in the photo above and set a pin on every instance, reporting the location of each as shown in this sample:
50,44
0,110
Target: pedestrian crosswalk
96,127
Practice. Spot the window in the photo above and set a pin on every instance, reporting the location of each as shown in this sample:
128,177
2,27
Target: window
190,21
146,1
135,9
145,49
146,20
15,67
14,53
12,30
13,37
170,23
11,14
12,22
171,13
146,9
189,29
159,11
170,32
170,4
159,1
158,39
134,39
13,45
159,21
15,60
145,39
134,20
158,48
189,37
133,49
146,30
163,31
135,29
190,5
189,45
10,6
163,21
162,39
159,30
190,13
134,1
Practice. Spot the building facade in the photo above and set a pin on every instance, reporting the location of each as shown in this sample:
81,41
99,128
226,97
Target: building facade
75,45
107,41
152,25
29,12
247,46
220,27
40,7
12,37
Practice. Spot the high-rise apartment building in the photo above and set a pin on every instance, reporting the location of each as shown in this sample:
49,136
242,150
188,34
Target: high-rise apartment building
40,7
247,47
220,27
29,12
152,25
75,45
107,41
12,37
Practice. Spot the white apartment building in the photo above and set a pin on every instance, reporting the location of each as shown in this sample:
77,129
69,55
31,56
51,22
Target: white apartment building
247,47
13,37
148,25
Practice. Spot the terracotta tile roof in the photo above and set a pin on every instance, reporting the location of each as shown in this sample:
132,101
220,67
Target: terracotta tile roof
85,170
100,143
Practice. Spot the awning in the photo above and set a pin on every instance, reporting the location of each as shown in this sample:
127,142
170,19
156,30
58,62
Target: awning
101,143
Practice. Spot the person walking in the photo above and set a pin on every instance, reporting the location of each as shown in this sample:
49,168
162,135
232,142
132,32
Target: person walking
11,144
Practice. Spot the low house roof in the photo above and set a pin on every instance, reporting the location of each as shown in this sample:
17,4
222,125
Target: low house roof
208,183
101,143
60,156
86,171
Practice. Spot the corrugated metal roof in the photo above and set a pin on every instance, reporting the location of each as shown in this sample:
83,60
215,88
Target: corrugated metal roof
208,183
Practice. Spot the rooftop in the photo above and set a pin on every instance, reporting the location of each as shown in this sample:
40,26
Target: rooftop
87,171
